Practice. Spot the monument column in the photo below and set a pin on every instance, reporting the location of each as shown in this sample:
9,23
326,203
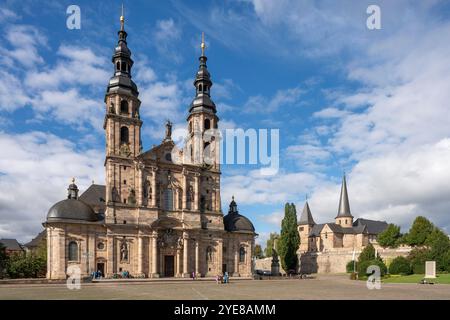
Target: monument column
185,254
154,239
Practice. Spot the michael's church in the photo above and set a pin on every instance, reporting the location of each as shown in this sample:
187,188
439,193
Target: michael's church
155,217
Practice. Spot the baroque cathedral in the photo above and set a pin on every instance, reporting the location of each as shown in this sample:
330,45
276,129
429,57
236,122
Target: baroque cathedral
157,215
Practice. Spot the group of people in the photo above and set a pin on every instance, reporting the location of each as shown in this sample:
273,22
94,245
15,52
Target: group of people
220,278
96,274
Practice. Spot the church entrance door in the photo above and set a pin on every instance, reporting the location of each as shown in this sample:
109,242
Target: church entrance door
169,266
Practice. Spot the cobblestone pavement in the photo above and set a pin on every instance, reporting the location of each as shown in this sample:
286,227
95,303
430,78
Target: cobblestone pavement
323,287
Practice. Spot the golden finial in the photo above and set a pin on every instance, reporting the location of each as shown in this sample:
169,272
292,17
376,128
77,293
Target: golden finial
203,45
122,19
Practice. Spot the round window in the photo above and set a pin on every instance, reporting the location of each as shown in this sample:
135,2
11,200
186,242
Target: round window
100,246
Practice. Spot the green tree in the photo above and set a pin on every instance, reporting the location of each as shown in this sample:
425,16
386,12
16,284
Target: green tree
417,258
269,244
419,231
258,252
23,265
400,265
367,254
3,259
289,241
439,245
390,237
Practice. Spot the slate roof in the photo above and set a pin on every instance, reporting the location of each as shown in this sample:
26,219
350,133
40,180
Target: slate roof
373,226
36,241
306,217
95,196
11,244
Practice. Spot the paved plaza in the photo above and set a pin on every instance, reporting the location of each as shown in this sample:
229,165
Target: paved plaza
323,287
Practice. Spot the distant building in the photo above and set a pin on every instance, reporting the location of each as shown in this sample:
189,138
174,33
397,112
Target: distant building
12,246
34,244
342,233
328,247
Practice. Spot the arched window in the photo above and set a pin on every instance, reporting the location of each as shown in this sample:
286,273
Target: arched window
124,136
207,124
168,199
209,253
200,88
118,66
242,254
124,107
124,67
73,251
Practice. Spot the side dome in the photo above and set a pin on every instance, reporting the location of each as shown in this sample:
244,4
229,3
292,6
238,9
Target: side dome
71,209
235,222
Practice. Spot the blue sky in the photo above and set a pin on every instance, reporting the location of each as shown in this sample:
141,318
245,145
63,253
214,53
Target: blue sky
371,102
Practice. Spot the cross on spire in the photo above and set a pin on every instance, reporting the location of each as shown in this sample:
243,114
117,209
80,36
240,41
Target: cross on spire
203,45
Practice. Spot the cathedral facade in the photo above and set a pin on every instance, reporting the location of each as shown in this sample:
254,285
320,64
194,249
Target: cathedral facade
159,213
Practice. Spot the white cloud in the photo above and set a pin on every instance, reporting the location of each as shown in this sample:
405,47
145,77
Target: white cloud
36,168
166,34
12,93
78,66
25,41
281,99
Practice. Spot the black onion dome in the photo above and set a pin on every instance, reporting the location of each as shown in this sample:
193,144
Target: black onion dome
235,222
71,209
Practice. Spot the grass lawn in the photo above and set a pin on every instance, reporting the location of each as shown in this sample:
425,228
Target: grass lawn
415,278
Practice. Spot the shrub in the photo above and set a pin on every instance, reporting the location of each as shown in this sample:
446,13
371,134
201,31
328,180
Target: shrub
362,267
400,265
350,265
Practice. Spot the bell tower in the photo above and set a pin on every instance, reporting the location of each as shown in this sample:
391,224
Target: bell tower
122,122
202,142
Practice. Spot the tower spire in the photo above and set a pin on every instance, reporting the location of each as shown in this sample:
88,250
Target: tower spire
306,217
344,204
122,20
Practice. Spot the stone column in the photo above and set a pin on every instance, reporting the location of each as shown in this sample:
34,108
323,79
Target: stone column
196,192
197,258
236,260
154,187
111,256
179,264
49,253
91,264
185,255
184,190
140,256
140,184
154,239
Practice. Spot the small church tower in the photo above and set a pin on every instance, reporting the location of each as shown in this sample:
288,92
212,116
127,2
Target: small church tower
305,225
344,217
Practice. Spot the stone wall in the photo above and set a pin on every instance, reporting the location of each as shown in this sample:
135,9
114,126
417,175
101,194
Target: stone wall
332,261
